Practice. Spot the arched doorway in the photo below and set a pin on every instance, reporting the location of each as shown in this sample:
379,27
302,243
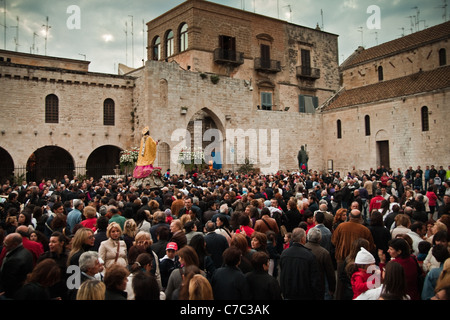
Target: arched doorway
6,166
206,130
50,162
163,156
103,161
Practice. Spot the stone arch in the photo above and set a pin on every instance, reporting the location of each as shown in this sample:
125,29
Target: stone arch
381,135
49,162
103,161
163,156
209,120
6,166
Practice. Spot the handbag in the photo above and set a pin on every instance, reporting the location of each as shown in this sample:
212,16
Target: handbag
117,253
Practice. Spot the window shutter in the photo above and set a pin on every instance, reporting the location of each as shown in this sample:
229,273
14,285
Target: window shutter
301,104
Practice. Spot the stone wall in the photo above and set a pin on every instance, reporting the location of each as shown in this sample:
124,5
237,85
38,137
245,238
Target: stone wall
81,95
397,121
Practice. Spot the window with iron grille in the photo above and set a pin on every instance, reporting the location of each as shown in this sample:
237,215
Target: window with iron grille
51,109
425,122
108,112
367,124
339,129
442,57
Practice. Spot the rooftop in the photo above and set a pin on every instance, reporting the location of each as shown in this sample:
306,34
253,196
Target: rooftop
420,38
420,82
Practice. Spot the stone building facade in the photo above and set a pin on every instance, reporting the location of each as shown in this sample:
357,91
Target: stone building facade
394,105
240,85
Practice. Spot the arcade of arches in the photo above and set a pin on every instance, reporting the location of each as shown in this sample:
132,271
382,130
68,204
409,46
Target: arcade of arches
55,162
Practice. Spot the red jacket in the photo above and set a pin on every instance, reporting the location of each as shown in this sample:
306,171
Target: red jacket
360,283
375,203
432,197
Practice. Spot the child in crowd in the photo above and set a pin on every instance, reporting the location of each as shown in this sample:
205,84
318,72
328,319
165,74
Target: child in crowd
363,278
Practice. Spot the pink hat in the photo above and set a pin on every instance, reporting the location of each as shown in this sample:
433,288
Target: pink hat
172,246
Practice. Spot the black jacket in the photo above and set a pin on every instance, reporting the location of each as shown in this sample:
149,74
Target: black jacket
16,265
263,286
229,283
299,278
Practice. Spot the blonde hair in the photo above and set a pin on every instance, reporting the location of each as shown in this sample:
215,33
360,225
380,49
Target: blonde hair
444,278
89,212
143,236
402,220
200,288
91,290
78,240
130,228
111,226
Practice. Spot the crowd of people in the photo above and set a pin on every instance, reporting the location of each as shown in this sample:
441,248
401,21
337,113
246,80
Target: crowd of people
213,235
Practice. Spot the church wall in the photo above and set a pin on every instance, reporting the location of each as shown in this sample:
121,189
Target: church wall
80,129
401,64
395,120
230,104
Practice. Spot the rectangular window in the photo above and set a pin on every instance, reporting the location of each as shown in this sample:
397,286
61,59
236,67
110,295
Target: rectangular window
265,56
306,62
228,46
307,104
266,100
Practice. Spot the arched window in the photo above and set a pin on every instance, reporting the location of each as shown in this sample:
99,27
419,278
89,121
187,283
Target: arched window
425,119
169,44
339,129
156,54
51,109
380,73
442,57
108,112
367,124
183,37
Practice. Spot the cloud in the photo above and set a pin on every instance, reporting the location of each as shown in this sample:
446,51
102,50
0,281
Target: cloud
104,17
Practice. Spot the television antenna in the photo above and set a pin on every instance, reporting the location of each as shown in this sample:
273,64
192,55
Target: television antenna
132,41
4,24
47,27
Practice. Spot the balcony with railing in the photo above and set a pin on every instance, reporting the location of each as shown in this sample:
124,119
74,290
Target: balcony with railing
271,66
232,57
308,72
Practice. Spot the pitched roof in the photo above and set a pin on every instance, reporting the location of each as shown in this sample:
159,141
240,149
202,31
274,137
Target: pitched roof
429,35
412,84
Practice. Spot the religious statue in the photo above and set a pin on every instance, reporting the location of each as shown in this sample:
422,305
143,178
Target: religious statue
144,173
303,159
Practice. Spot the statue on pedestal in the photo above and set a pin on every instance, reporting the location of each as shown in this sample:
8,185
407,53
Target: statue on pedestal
302,158
144,173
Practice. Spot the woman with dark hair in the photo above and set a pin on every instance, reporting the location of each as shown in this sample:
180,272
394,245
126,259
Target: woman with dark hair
206,263
187,256
381,235
44,275
393,285
116,278
400,251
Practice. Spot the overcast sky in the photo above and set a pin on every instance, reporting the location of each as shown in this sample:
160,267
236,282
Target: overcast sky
95,30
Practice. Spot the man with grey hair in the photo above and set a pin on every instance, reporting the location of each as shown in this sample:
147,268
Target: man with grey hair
299,277
74,216
90,265
326,267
